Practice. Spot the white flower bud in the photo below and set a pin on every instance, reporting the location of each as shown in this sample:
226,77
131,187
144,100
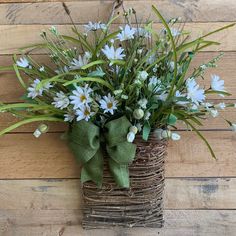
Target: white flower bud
221,106
147,115
139,127
37,133
166,134
139,51
214,113
43,128
175,136
118,91
135,60
133,129
138,114
138,82
130,137
125,97
233,127
142,75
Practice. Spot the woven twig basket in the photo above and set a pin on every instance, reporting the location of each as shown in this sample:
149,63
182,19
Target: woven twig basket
139,206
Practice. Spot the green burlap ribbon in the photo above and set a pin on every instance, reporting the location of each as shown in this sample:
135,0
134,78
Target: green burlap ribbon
85,140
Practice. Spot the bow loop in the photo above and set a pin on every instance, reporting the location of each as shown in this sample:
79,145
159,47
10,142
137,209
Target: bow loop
121,152
85,139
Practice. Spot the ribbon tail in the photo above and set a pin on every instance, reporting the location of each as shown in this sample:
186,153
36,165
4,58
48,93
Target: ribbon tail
93,170
120,173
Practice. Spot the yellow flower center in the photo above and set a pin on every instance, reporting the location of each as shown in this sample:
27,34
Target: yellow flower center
86,112
109,105
82,98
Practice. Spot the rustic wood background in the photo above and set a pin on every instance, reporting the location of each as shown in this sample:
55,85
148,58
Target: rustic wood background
39,179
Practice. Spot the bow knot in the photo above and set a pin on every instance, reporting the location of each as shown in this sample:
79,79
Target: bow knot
85,141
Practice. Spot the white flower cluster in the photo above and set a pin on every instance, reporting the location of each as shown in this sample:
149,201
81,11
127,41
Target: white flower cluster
123,74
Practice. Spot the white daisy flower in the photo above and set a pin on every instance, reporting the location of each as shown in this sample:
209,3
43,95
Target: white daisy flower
23,62
69,117
61,100
81,61
112,53
126,33
216,83
81,96
84,113
33,92
193,92
108,104
93,26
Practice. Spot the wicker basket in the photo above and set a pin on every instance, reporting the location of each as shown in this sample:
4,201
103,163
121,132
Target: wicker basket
139,206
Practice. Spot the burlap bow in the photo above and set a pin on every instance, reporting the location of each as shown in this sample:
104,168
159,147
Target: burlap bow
85,140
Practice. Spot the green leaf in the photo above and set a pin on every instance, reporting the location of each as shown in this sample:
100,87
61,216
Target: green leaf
219,29
202,137
94,63
56,78
79,41
5,68
146,131
217,92
105,40
96,73
33,46
18,105
154,106
172,44
90,79
19,76
172,119
29,120
118,62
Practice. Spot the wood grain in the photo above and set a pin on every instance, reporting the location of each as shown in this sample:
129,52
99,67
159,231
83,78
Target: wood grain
25,35
60,194
84,11
226,69
23,156
67,223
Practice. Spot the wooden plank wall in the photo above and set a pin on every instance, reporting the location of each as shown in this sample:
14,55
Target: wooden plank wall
39,179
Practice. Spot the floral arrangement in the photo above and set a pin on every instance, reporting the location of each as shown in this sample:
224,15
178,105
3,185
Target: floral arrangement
112,83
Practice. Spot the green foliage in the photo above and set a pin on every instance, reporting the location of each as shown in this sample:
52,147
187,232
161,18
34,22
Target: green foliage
136,67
